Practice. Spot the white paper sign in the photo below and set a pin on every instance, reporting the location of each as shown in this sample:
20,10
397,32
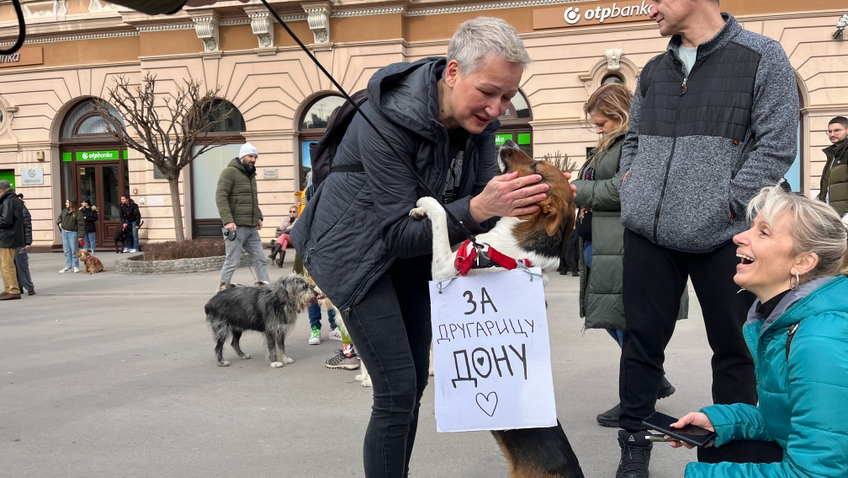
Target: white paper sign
492,354
32,176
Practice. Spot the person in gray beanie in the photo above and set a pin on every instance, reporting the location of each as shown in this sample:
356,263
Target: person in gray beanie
238,205
11,238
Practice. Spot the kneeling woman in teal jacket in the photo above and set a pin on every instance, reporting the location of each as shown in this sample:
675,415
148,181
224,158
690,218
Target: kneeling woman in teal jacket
794,259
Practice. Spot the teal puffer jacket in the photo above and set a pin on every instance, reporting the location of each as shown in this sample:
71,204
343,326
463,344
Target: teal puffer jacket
802,400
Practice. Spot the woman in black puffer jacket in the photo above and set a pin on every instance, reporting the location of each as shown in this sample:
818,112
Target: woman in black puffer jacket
89,212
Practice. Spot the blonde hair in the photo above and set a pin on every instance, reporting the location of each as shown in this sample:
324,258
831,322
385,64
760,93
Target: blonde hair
613,101
814,227
486,36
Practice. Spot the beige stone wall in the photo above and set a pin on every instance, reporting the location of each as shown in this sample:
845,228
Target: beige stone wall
271,88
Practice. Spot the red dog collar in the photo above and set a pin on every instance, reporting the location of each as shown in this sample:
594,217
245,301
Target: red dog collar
466,260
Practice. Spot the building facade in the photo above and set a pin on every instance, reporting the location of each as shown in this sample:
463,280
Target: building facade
53,144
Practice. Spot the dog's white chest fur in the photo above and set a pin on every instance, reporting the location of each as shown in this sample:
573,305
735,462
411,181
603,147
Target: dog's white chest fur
501,237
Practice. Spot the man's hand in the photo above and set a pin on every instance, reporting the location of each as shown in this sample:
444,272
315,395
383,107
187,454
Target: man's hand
231,226
259,226
27,248
508,195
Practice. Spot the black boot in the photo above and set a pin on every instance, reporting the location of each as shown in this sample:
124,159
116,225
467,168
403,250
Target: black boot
274,250
666,389
635,454
280,259
610,417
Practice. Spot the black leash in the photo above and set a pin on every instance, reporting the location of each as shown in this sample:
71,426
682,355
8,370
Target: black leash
21,30
368,120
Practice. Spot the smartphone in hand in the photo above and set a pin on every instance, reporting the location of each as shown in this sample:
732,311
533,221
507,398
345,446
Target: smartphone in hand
690,434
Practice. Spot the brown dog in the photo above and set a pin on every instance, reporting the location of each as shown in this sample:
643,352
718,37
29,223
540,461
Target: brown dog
92,264
539,236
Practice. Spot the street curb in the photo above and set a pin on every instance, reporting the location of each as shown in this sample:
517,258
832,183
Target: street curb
134,265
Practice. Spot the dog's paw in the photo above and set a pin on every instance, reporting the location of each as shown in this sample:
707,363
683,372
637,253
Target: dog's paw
360,377
277,364
224,364
418,213
247,356
366,382
289,360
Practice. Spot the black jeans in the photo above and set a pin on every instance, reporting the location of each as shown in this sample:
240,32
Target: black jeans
654,278
390,328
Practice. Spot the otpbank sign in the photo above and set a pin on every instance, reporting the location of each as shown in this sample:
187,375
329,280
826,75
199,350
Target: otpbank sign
590,13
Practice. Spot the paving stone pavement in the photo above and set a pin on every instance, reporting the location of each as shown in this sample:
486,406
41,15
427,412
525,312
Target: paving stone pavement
114,375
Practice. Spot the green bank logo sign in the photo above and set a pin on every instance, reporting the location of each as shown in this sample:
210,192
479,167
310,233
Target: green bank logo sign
98,155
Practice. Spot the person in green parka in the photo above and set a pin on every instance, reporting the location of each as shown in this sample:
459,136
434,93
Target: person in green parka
599,224
72,224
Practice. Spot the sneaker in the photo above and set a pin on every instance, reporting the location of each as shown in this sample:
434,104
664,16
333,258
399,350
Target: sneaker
635,455
76,270
66,269
315,339
133,250
125,250
335,334
342,361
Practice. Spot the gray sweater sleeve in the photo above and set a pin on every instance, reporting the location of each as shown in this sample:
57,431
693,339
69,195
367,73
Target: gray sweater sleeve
152,7
774,128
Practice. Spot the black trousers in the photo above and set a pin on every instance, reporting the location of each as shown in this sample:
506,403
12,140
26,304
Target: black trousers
654,279
391,330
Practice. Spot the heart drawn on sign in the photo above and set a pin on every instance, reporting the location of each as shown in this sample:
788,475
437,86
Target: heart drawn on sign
488,403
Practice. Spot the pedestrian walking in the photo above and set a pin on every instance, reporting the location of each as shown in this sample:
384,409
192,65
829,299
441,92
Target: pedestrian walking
22,258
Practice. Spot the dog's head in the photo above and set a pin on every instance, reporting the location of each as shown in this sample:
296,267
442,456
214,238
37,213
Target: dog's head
558,206
295,289
82,254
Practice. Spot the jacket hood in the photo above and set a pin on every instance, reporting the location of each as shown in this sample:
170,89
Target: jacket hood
6,194
785,313
407,94
730,29
235,163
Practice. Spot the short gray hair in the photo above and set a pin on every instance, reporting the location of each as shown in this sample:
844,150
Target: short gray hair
486,36
5,185
814,227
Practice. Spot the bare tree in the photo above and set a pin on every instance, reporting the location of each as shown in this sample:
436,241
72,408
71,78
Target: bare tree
170,140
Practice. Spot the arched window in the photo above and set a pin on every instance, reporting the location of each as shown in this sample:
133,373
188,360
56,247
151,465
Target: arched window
234,123
612,78
205,169
515,124
313,124
84,122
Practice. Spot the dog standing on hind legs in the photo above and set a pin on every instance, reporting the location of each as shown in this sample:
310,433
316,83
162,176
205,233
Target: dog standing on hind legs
271,309
530,452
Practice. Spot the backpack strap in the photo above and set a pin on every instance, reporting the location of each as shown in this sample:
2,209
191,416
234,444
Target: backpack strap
646,77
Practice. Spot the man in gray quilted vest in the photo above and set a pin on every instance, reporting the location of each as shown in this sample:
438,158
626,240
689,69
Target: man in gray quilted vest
717,123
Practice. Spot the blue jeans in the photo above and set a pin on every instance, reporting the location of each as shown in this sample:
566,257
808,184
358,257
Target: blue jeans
70,246
132,239
315,316
90,241
391,330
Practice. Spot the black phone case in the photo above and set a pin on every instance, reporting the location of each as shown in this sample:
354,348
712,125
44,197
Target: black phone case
690,434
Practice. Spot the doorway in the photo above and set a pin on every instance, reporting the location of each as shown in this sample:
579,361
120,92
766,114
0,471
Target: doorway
102,184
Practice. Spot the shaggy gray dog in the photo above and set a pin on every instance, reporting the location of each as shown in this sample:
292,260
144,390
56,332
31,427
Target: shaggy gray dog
271,309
